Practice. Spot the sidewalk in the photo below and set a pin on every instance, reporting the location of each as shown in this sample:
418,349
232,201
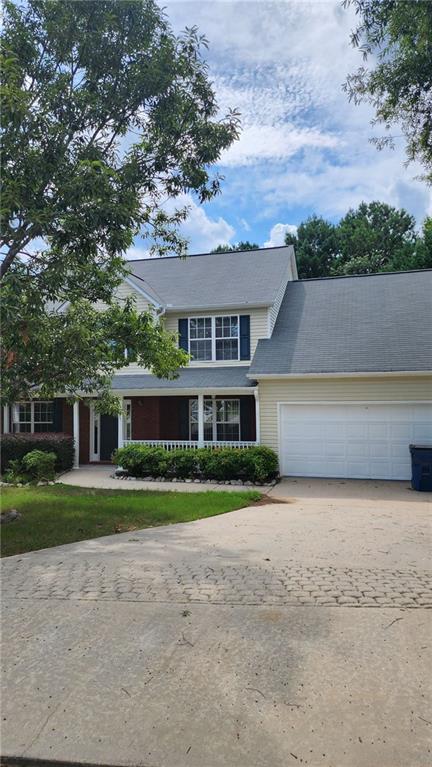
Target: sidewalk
100,477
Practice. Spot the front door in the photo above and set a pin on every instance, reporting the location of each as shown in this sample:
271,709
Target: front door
108,436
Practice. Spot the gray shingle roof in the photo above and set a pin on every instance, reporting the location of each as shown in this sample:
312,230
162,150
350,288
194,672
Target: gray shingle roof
189,378
251,277
369,323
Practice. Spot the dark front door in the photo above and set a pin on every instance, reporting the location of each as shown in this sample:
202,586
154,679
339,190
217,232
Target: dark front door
108,436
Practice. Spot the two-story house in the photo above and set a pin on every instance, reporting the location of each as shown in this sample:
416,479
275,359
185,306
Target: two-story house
334,374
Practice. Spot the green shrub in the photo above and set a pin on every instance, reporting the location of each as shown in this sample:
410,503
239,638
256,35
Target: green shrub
39,465
223,464
183,463
15,446
15,472
254,464
260,464
142,461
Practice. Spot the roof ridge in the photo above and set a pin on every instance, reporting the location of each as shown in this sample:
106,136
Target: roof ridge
198,255
371,274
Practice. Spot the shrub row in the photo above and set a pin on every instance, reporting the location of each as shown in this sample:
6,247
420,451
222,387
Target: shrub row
254,464
15,447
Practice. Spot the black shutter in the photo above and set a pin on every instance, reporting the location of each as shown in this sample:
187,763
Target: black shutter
58,415
247,418
184,418
245,337
183,335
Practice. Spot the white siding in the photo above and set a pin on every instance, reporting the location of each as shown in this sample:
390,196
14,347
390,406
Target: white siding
124,291
274,310
391,389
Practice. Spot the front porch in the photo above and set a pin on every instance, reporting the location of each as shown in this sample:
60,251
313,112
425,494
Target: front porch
178,422
171,421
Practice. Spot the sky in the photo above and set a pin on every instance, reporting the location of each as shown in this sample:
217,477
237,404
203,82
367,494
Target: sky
304,148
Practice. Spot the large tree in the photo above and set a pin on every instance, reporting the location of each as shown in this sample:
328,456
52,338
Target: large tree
395,36
106,114
315,246
375,237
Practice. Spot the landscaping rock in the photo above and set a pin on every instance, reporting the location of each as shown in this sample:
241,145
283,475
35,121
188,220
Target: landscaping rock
9,516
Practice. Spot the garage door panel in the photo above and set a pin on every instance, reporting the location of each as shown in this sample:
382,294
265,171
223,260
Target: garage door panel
334,449
377,431
358,441
421,433
355,449
402,431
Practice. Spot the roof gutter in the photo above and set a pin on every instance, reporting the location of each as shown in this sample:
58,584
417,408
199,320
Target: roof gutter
362,374
212,308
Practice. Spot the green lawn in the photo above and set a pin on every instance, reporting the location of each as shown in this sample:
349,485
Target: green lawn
59,514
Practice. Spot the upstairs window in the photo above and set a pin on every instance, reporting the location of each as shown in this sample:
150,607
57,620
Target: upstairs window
201,338
227,338
214,338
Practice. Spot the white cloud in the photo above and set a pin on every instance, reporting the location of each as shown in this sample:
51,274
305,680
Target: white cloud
136,253
277,234
274,142
201,230
303,147
330,190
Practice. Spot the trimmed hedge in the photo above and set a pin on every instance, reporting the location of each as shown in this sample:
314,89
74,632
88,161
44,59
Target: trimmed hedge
253,464
16,446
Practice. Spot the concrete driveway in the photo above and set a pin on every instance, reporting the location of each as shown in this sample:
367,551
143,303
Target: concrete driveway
288,633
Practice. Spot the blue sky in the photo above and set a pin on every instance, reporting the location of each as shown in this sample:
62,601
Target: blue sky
304,148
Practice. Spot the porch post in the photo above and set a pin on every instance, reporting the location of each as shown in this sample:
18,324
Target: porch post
6,419
257,417
76,433
120,424
200,420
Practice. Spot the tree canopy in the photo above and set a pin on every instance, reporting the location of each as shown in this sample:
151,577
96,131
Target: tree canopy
396,35
315,246
242,245
106,114
375,237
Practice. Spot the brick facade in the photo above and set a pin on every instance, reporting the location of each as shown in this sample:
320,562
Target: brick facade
156,417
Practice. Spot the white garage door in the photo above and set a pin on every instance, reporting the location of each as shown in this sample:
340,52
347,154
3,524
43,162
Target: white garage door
355,441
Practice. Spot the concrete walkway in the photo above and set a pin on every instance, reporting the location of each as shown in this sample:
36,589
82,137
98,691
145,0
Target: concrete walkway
277,635
100,477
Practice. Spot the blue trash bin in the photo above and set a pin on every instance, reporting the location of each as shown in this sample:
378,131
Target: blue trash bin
421,466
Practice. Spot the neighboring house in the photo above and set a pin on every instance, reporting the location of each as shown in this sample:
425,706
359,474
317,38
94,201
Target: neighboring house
335,374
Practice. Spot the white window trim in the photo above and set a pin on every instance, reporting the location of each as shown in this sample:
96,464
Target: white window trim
94,424
16,419
127,420
213,339
215,398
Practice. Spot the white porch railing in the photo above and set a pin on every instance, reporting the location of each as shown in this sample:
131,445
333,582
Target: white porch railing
184,444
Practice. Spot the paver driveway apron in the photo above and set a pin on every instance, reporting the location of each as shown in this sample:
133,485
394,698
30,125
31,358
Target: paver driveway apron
127,649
